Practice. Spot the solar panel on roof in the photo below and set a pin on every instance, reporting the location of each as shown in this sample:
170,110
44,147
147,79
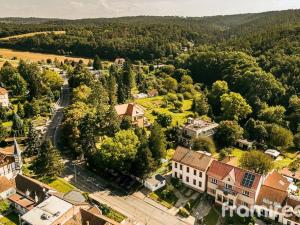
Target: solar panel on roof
248,180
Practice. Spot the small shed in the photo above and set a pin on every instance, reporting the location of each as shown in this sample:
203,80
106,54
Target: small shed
245,144
154,183
273,153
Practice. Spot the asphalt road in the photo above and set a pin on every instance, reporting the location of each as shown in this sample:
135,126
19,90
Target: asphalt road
134,208
53,128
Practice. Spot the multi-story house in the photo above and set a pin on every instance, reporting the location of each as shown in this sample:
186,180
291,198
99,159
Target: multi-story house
10,161
276,202
191,167
232,185
196,128
4,100
134,111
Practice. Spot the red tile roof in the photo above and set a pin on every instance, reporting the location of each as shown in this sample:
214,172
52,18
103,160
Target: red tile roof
130,109
219,170
3,91
22,201
271,195
192,158
6,184
277,181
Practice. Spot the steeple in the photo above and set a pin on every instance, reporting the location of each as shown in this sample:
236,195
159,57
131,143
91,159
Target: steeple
17,155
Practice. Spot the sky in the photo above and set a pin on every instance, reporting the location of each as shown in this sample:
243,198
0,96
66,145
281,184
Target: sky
74,9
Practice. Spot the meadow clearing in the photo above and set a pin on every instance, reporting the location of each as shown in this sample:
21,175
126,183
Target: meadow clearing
9,54
32,34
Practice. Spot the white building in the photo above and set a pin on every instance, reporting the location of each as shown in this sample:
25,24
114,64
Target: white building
196,128
190,167
154,183
4,100
10,161
51,211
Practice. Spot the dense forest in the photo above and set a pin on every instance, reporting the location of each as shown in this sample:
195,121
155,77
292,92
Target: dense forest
242,71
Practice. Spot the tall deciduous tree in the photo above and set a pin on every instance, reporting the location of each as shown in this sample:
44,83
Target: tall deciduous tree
234,106
49,163
228,133
32,141
157,142
256,161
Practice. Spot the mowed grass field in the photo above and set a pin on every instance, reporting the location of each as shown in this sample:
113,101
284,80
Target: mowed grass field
8,54
32,34
151,104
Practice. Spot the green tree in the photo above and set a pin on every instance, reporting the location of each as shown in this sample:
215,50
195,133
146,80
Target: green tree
112,89
49,163
234,106
119,151
295,165
273,114
113,121
32,141
52,79
157,142
81,93
171,84
204,144
280,137
87,133
20,110
17,126
164,120
200,105
97,64
228,133
256,161
297,140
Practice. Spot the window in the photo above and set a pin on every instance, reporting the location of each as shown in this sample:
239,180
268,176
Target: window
200,184
228,186
200,174
187,179
175,174
194,182
187,169
195,172
288,222
214,181
180,176
180,167
176,165
246,193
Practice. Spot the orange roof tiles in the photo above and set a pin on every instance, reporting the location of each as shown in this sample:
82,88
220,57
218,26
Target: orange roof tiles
3,91
220,170
6,184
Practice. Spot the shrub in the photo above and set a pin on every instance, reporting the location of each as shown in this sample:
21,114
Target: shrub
176,182
183,212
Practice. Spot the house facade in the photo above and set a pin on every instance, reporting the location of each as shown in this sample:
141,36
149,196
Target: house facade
191,167
196,128
7,187
10,161
232,185
4,100
133,111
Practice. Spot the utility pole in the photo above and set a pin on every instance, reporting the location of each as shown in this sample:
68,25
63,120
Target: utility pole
75,173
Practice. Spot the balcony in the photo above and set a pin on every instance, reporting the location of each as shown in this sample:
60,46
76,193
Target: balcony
227,191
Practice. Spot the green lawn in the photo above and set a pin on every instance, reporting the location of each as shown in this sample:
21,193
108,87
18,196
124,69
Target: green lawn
61,185
155,103
169,201
10,219
211,218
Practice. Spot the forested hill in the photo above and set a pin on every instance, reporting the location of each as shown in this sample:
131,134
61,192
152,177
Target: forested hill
149,38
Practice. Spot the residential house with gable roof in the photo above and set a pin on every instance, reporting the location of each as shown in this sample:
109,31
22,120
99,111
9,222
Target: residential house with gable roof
134,111
274,196
232,185
191,167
